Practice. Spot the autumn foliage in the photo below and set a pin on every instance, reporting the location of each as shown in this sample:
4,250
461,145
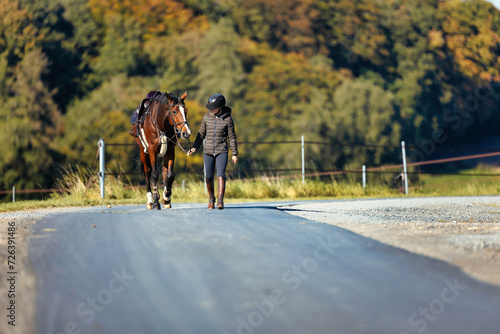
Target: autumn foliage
364,72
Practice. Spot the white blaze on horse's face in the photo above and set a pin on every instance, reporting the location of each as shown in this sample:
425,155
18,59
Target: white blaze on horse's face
183,113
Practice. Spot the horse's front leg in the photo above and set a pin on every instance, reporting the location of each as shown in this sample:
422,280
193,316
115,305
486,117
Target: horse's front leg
168,177
147,173
154,178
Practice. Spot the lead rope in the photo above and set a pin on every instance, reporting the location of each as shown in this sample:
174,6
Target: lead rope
178,144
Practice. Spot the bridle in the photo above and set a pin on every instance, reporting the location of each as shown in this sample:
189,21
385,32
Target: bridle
177,131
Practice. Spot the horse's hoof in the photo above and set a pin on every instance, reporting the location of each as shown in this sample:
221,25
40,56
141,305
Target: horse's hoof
156,206
167,206
149,206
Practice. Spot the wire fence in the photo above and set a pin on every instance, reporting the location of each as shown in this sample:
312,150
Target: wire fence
290,173
277,173
34,191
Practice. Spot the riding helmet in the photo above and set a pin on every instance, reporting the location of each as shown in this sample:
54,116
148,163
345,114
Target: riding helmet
216,101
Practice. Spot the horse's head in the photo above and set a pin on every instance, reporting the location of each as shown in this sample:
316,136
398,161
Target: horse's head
178,115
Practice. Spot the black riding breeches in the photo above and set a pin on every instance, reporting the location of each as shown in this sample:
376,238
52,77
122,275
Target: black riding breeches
210,161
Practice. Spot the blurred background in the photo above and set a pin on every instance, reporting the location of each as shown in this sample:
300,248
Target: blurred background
355,77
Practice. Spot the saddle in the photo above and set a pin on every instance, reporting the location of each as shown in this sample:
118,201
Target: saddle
142,110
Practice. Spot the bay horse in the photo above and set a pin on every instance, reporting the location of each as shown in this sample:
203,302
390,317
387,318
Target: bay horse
162,121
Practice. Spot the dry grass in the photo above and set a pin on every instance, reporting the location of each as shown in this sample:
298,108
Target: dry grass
119,190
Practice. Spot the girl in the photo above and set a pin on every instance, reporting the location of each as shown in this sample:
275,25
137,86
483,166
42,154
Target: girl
216,126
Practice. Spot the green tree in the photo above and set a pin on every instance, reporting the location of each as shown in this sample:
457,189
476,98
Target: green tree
470,50
68,60
410,66
173,61
156,18
104,113
29,119
292,96
364,114
356,32
84,42
472,33
346,72
18,35
121,51
286,25
219,63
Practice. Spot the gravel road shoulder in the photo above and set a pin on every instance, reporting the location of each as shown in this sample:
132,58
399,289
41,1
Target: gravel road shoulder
463,231
25,280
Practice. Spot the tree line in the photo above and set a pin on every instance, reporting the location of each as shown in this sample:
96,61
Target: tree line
363,72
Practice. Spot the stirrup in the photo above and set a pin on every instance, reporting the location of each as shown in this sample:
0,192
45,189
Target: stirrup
131,132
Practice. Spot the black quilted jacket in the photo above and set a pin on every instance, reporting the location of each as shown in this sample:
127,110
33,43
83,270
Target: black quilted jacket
216,130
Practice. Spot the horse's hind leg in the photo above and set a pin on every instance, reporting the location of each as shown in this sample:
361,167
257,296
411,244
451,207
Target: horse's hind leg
154,178
168,177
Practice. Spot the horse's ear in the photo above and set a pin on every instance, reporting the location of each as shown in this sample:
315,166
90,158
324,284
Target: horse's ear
183,97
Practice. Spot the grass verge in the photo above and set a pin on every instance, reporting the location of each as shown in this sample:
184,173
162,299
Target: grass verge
120,191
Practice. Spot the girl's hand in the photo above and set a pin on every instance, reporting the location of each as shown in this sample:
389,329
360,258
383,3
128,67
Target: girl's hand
191,151
235,159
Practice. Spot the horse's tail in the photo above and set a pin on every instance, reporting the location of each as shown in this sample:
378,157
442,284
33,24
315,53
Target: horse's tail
139,166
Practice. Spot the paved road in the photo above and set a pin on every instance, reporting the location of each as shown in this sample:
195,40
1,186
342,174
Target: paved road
247,269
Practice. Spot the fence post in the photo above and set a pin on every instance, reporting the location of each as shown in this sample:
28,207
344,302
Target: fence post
13,194
303,159
100,144
364,176
405,172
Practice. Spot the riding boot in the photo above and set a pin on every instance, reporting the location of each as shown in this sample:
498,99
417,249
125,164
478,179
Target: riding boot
222,188
211,197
